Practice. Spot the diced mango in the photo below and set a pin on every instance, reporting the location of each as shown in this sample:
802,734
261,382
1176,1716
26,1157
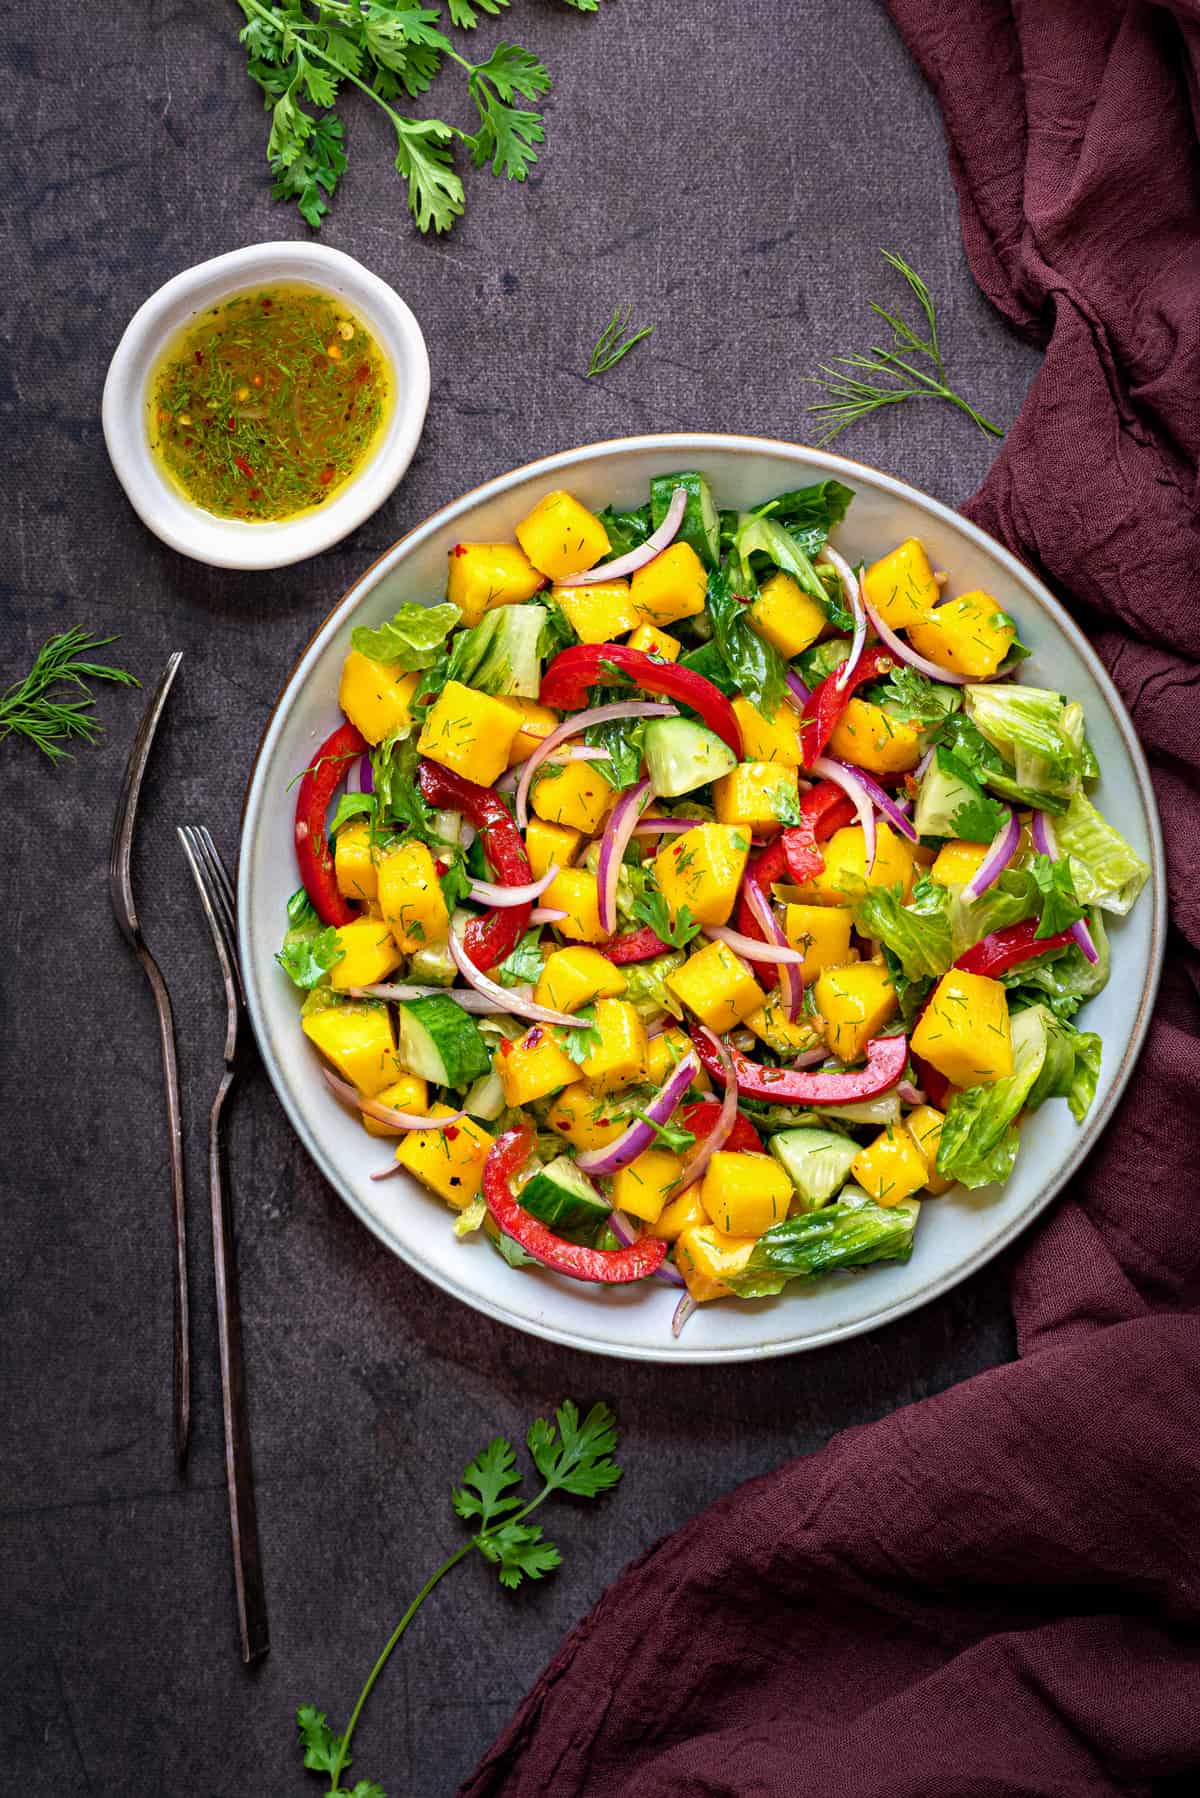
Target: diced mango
900,586
468,732
561,537
786,615
702,869
409,1093
924,1124
843,879
357,1038
549,845
956,863
891,1168
355,861
643,1188
534,724
678,1215
574,977
533,1066
572,793
855,1002
653,642
574,891
771,1025
870,738
760,795
707,1258
376,696
450,1161
369,953
619,1059
766,739
664,1052
822,935
745,1193
588,1119
969,635
599,612
718,986
411,897
674,585
963,1031
483,576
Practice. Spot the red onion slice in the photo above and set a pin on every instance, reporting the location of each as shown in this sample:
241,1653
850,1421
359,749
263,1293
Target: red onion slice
810,1058
477,1003
546,914
851,783
909,1094
626,1234
855,604
387,1114
903,653
573,727
703,1153
485,892
791,984
1046,843
751,949
660,827
891,809
1004,847
635,558
797,692
683,1311
613,844
640,1134
503,996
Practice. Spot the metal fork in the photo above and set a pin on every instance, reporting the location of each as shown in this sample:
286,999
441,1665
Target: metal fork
216,896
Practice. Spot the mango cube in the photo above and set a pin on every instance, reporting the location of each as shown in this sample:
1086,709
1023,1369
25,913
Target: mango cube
369,953
969,635
376,696
409,1093
533,1066
653,642
468,732
855,1002
844,880
924,1125
572,793
357,1038
574,891
956,863
871,738
891,1168
771,1025
963,1031
759,795
561,537
619,1059
600,612
574,977
355,860
707,1258
786,616
677,1215
822,935
766,739
483,576
901,587
411,898
718,986
674,585
702,869
550,845
450,1161
643,1188
534,724
588,1119
664,1052
744,1194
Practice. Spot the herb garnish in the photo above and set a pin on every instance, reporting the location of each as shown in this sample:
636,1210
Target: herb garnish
609,347
31,708
649,907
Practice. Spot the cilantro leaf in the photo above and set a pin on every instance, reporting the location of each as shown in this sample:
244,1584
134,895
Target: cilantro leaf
576,1457
411,638
508,134
581,1042
488,1481
351,805
365,1788
455,883
1060,906
785,804
524,965
520,1551
979,820
669,1136
321,1746
425,159
311,176
465,13
389,32
649,907
911,698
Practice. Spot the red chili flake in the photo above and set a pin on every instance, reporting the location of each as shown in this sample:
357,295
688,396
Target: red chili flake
440,868
241,462
460,549
450,1132
362,373
254,493
326,476
603,1123
506,1047
198,358
267,305
534,1037
232,422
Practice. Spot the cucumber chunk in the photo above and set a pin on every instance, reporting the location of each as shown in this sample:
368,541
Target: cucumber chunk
946,785
440,1042
816,1161
563,1198
701,525
682,755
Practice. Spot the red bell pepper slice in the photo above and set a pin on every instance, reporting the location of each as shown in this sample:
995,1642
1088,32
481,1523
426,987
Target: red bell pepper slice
827,702
491,938
566,681
701,1120
1006,948
635,945
932,1081
609,1267
824,809
887,1057
324,774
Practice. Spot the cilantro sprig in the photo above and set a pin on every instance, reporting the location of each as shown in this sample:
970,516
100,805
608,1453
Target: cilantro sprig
649,907
572,1455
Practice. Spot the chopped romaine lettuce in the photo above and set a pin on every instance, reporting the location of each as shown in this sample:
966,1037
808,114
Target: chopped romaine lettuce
1008,900
646,985
1071,1067
850,1233
1105,869
411,639
309,951
1064,978
918,934
1037,732
524,965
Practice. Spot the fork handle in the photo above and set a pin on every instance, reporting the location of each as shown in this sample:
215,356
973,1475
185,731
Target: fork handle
182,1352
239,1471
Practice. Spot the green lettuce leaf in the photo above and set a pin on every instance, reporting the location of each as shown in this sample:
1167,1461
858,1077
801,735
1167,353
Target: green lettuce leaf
809,514
524,965
849,1233
1060,907
411,639
1063,979
1008,900
646,985
979,1138
1105,869
1038,732
351,805
918,934
1071,1067
309,949
760,534
755,666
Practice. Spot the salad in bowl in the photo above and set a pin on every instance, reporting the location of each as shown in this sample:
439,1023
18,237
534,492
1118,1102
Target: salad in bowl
681,903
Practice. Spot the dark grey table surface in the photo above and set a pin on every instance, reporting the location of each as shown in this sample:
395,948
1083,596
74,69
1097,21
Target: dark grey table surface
731,168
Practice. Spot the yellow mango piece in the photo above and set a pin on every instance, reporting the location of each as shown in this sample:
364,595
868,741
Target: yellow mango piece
771,1025
963,1031
702,869
870,738
357,1038
483,576
855,1002
822,935
970,635
673,586
409,1093
718,986
572,793
891,1168
754,794
707,1258
561,537
376,696
450,1162
411,898
588,1119
678,1215
369,953
924,1124
533,1066
956,863
766,739
664,1052
534,724
355,862
600,612
470,733
786,615
574,977
901,587
843,879
745,1193
619,1059
574,891
549,845
643,1188
653,642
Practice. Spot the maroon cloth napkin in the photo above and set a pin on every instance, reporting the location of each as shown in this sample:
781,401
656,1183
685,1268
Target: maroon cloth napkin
997,1591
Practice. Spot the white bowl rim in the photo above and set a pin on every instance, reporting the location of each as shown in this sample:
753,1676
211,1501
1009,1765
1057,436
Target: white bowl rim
698,443
231,543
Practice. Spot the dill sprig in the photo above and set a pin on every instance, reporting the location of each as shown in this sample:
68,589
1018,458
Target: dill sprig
850,397
32,708
609,347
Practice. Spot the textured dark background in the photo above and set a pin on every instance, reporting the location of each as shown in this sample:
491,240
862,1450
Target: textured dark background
731,167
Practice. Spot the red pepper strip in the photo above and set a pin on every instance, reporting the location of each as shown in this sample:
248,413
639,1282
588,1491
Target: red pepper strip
823,810
701,1119
827,702
932,1081
635,945
887,1057
1005,948
566,681
489,939
324,774
608,1266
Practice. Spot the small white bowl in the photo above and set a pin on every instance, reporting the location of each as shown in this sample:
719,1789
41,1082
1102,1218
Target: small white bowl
229,542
